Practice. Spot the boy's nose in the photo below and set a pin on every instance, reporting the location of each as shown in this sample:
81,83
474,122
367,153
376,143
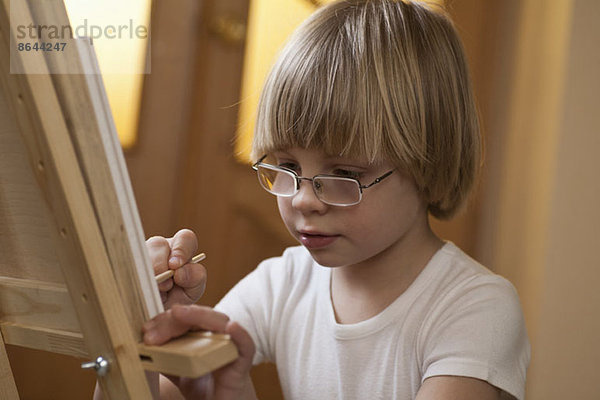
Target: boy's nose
306,200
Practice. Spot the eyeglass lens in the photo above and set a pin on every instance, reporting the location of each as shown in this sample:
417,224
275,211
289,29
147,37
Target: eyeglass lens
277,182
331,190
337,190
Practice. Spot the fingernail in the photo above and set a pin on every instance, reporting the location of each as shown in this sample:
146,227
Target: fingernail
174,261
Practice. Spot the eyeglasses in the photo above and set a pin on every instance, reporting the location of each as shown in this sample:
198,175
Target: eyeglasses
330,189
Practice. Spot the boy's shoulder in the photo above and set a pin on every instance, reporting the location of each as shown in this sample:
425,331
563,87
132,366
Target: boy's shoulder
458,282
459,269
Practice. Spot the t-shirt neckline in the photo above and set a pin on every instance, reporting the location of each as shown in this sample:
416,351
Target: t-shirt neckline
392,312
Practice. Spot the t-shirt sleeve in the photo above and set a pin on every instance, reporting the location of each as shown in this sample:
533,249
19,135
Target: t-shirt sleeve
478,331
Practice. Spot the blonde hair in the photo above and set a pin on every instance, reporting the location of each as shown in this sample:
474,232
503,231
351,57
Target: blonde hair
378,79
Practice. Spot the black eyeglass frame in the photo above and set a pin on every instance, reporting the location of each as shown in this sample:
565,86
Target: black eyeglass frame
299,178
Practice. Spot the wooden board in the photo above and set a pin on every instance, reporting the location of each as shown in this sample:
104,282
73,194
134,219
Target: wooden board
52,340
26,217
43,304
192,355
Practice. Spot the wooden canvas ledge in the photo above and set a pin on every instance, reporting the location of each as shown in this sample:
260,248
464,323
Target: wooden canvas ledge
74,271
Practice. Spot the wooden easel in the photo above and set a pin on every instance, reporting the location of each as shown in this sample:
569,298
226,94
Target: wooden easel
74,272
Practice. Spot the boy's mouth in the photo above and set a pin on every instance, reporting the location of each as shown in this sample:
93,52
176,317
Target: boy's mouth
316,240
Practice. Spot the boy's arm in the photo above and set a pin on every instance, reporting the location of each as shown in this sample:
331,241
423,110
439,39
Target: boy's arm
458,388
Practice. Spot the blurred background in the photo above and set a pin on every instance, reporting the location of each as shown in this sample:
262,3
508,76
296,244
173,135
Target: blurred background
534,217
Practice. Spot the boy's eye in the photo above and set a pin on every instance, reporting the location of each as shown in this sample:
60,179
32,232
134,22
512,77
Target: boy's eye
289,165
346,173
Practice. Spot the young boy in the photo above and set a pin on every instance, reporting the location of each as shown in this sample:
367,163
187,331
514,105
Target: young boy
366,125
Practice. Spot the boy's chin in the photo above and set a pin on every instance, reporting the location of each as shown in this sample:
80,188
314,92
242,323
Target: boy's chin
327,259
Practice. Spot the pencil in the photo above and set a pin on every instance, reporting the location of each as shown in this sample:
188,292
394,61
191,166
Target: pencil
163,276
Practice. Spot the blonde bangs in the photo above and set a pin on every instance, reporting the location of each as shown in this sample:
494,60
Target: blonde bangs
324,93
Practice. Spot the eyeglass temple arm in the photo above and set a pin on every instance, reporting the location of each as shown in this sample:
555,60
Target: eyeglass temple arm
255,165
376,181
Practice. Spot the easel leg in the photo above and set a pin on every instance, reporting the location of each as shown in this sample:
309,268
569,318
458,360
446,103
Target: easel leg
8,388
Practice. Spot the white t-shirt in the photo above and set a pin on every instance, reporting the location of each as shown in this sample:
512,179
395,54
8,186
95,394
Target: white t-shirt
457,318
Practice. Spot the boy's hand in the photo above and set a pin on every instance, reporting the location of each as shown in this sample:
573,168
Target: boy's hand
229,382
189,281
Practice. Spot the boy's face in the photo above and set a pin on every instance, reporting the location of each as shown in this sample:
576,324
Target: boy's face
390,214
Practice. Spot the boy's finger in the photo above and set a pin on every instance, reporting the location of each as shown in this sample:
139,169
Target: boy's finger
159,250
200,318
166,285
162,328
190,283
244,344
190,275
177,296
183,247
192,278
179,320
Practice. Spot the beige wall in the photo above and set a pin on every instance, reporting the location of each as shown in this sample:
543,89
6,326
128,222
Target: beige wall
546,230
